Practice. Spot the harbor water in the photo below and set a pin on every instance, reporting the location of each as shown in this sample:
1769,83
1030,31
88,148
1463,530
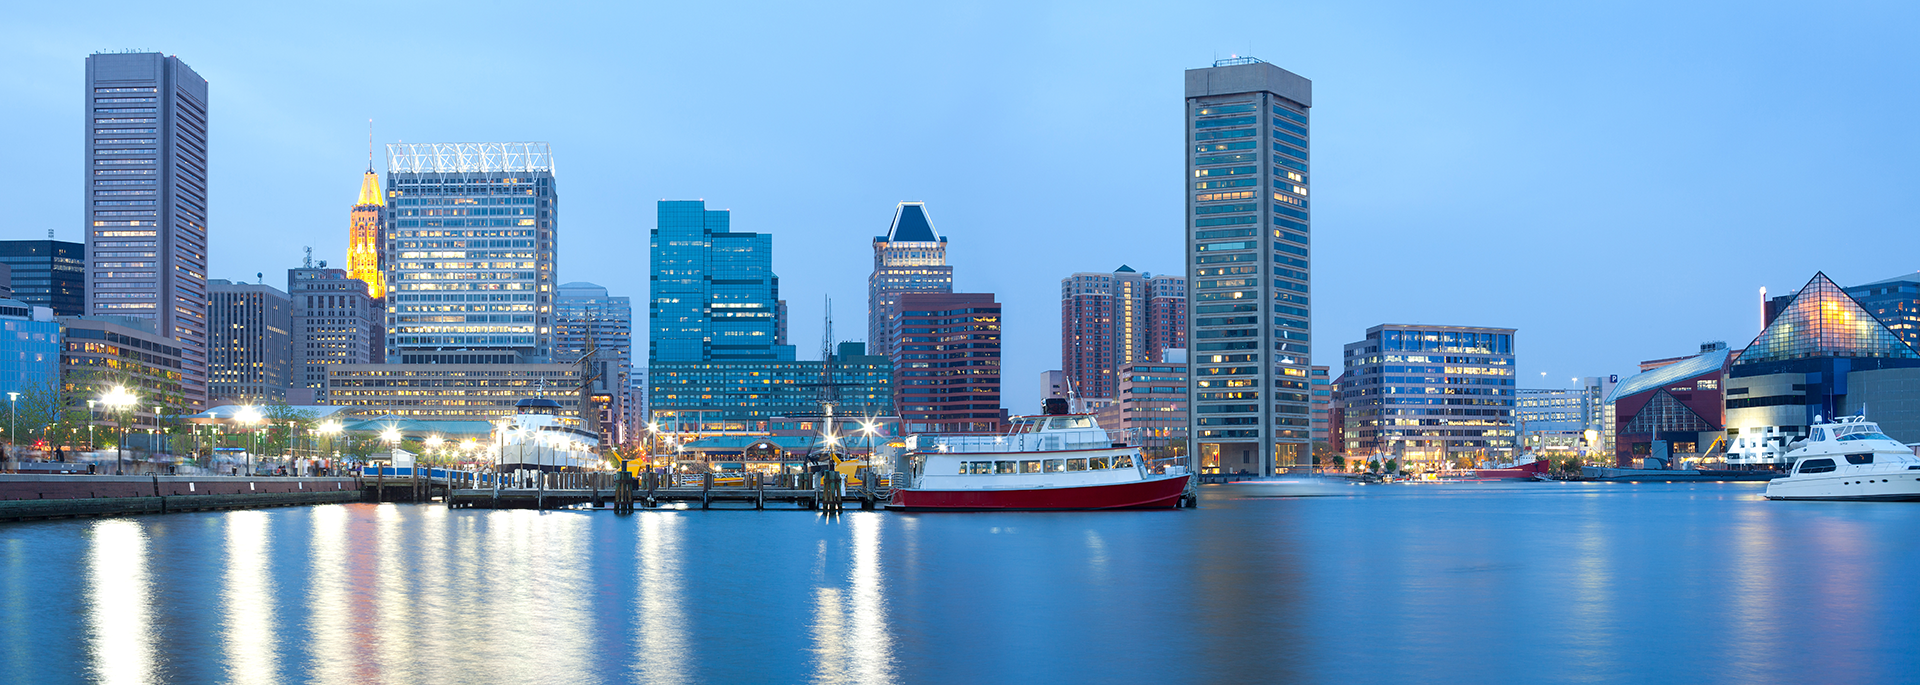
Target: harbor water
1521,582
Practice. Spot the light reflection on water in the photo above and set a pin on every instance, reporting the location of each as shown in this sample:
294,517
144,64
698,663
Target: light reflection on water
1696,583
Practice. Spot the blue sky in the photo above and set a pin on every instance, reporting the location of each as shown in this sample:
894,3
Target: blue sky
1616,180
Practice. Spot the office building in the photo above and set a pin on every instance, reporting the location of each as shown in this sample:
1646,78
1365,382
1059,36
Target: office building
48,273
715,296
594,328
911,257
946,362
720,397
1150,409
146,190
335,321
449,392
1110,320
29,350
99,353
1430,396
250,351
367,233
1247,234
470,260
1566,422
1822,354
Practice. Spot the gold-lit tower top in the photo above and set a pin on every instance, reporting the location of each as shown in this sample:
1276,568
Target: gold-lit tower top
368,229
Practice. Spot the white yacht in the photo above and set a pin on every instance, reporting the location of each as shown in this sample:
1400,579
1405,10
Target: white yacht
1848,458
539,438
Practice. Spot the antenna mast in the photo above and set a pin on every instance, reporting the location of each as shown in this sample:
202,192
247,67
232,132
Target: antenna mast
369,146
307,263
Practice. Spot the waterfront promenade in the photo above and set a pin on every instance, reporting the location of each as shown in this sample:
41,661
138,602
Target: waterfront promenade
30,496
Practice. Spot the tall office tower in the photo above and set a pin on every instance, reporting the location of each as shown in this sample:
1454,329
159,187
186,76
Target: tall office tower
367,233
713,349
715,296
1322,402
587,319
471,248
1248,322
48,273
147,200
1428,395
1108,321
946,362
335,321
250,358
911,257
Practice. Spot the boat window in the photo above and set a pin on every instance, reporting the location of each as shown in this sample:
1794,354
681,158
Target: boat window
979,467
1097,463
1816,465
1819,434
1056,465
1860,458
1006,467
1076,464
1030,466
1080,422
1057,423
1865,436
1123,462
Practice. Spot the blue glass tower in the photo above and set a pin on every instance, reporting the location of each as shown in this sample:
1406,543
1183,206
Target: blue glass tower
715,296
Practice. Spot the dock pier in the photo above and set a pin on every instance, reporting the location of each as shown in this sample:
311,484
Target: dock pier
805,491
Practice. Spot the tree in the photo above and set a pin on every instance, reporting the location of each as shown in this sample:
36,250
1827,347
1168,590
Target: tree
1393,465
1339,462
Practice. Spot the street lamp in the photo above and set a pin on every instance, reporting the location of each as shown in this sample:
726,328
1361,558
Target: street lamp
90,420
250,416
121,399
13,407
870,428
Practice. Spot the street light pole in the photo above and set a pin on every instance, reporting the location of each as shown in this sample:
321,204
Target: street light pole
13,407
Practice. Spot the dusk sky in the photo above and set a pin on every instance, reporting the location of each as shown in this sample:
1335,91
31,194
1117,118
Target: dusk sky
1616,180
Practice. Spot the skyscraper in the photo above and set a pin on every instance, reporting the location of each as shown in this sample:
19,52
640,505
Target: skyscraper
1112,320
471,251
146,190
946,362
367,233
911,257
1249,317
334,322
48,273
250,358
590,320
715,296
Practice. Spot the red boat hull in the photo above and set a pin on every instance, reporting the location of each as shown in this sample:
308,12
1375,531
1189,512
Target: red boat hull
1163,493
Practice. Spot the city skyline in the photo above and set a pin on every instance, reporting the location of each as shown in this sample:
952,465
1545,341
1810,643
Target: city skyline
1477,144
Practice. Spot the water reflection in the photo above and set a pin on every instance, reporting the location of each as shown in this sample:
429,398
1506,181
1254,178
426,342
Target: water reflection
850,636
662,654
327,595
119,620
249,635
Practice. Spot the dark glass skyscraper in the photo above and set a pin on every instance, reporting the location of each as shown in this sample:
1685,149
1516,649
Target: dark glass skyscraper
1247,251
910,258
146,190
48,273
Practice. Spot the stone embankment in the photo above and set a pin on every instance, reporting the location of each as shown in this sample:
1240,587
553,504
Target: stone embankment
62,496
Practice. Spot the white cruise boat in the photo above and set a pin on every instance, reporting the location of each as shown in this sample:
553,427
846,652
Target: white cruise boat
538,438
1051,462
1848,458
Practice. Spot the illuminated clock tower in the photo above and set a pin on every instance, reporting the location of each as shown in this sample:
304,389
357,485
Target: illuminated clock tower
368,234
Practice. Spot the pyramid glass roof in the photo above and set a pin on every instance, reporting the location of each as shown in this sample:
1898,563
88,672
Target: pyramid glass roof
1823,321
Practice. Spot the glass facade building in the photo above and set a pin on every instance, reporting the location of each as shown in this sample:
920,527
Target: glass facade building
1429,395
48,273
470,263
1249,265
146,194
449,392
29,348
